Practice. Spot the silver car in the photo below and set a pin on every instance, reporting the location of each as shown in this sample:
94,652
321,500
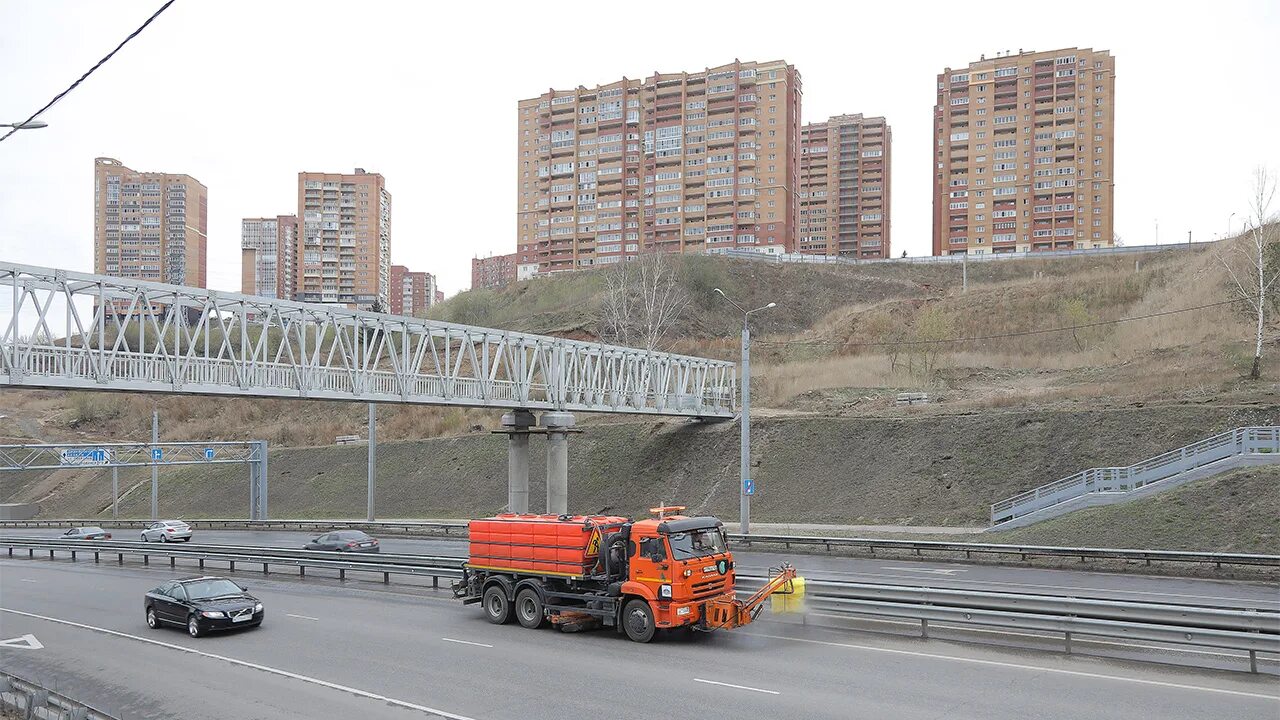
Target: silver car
167,531
86,533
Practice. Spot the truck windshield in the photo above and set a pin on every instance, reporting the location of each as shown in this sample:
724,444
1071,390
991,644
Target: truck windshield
697,543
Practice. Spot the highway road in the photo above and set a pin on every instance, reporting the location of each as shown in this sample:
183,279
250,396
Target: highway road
1079,583
328,650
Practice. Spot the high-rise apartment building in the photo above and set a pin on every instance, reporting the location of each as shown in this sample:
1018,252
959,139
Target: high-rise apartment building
495,271
412,293
1024,153
268,247
844,187
679,162
344,239
149,225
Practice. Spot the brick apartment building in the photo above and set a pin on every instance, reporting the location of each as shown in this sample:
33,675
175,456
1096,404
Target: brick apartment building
149,225
495,271
412,293
344,242
678,162
1025,153
268,248
844,187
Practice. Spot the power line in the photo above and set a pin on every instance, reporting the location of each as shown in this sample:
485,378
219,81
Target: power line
100,63
1000,336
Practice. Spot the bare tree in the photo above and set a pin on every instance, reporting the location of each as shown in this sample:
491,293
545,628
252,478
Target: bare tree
1246,258
644,300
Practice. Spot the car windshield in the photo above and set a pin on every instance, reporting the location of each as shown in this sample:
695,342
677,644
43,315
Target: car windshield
175,523
91,530
205,589
353,535
697,543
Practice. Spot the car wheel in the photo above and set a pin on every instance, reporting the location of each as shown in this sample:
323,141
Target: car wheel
164,538
497,609
144,537
637,621
193,627
153,622
529,609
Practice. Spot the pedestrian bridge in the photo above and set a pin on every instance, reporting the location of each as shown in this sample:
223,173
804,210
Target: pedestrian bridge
79,331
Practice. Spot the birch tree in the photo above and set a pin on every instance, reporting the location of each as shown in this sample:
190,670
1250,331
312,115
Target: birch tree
644,300
1252,281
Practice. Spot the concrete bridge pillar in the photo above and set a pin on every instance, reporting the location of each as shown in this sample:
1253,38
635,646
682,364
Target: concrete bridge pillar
558,426
516,425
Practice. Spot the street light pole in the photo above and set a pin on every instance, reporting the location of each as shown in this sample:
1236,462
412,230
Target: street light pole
29,125
747,487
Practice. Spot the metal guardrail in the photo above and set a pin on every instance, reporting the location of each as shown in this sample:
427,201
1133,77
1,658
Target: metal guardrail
1248,629
1240,441
34,702
871,545
385,564
456,528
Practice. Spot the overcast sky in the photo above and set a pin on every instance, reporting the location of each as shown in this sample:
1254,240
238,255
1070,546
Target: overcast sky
242,95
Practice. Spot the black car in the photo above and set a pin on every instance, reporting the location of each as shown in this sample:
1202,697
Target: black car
203,604
344,541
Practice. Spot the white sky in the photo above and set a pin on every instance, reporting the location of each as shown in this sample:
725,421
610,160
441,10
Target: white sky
242,95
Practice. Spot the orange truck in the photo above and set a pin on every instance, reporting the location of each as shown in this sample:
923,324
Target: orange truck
579,572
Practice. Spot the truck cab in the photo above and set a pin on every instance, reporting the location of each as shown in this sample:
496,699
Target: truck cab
678,564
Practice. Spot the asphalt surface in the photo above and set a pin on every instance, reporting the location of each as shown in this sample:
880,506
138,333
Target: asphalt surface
328,650
1039,581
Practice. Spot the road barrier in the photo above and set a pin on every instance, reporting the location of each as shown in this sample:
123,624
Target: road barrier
1250,629
951,550
30,700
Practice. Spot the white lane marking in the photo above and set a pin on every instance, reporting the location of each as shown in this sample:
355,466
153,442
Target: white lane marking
301,617
1019,666
932,571
465,642
26,580
247,664
737,687
26,642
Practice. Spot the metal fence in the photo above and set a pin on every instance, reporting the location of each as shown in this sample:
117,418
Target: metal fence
1241,441
1249,629
934,548
958,259
32,701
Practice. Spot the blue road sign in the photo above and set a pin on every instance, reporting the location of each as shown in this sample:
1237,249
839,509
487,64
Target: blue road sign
208,453
157,454
748,487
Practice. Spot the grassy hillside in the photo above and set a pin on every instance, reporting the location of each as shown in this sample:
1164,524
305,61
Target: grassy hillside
942,470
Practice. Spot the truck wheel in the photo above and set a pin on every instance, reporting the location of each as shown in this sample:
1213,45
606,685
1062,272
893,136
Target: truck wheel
637,621
529,609
497,609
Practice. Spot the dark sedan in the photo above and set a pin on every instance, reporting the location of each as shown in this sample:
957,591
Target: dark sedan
344,541
203,604
86,533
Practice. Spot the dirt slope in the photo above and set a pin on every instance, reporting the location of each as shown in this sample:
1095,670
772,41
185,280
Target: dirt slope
930,470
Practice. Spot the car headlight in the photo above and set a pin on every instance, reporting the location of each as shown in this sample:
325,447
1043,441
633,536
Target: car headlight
257,608
683,611
213,614
664,591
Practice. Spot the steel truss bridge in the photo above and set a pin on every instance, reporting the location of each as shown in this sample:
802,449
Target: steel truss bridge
91,332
